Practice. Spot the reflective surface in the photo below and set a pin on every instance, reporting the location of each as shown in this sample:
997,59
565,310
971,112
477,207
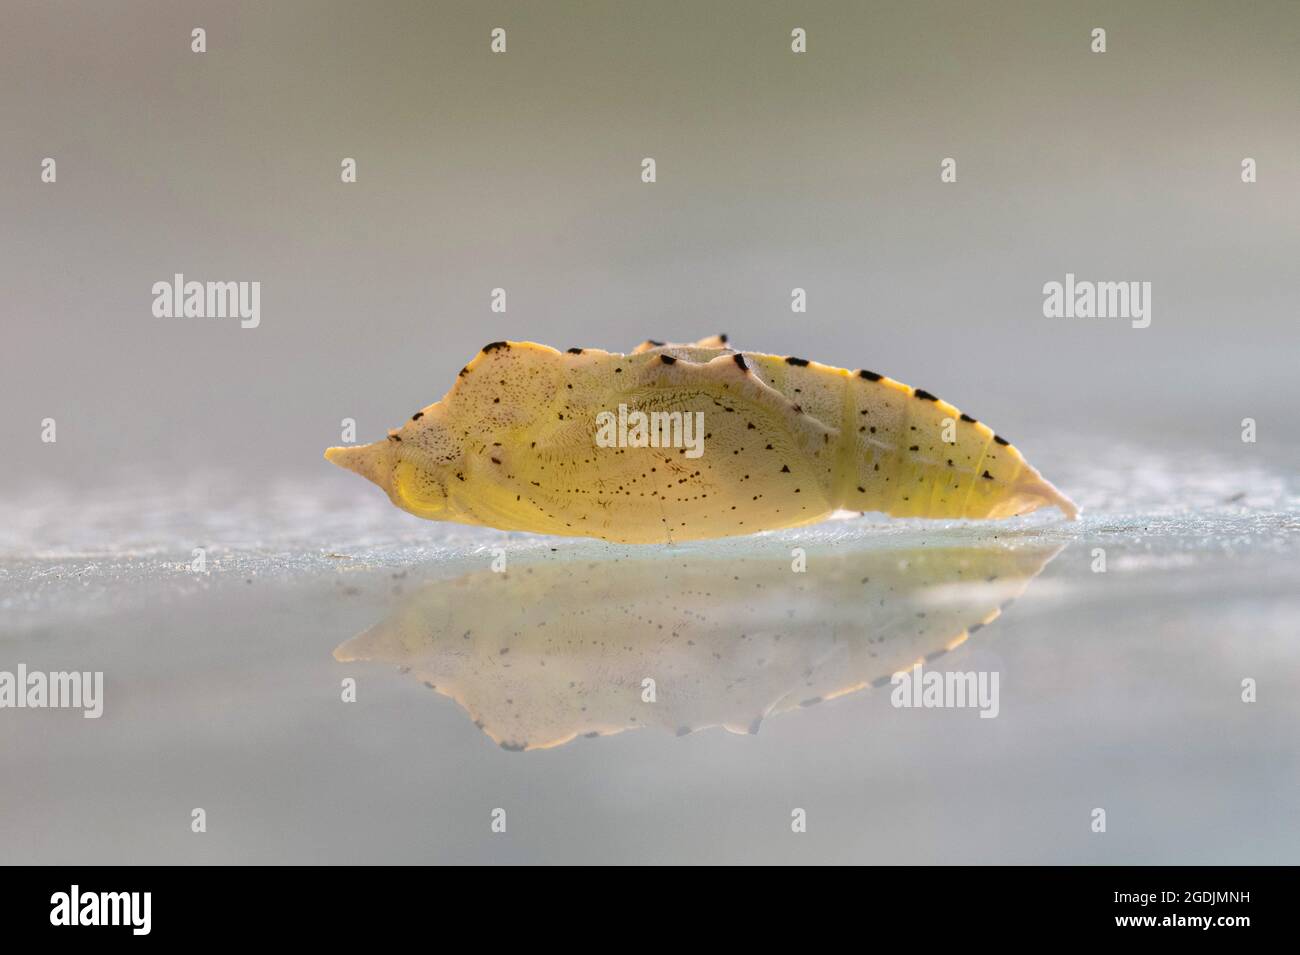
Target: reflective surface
224,690
559,648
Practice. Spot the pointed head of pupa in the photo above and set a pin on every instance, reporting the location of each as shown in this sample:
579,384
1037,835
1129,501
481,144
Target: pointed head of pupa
402,470
374,462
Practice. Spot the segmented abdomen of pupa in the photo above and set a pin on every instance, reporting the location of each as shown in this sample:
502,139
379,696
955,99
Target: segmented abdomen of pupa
905,451
898,449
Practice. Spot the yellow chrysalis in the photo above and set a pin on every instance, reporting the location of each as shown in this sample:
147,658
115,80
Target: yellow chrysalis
688,442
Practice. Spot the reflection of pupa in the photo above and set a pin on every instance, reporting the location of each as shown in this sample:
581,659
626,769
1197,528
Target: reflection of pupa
563,647
787,442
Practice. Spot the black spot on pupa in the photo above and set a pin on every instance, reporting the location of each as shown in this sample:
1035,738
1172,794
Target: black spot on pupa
1000,440
463,372
869,375
723,339
651,341
987,476
496,460
668,359
967,418
417,416
915,447
924,395
740,361
393,437
797,362
785,469
575,351
493,346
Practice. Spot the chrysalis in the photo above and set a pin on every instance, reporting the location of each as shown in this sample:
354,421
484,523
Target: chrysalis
522,442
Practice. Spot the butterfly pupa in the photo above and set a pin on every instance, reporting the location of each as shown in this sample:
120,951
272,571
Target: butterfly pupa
779,442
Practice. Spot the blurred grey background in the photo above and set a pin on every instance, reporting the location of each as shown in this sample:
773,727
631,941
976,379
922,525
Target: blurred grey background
522,171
